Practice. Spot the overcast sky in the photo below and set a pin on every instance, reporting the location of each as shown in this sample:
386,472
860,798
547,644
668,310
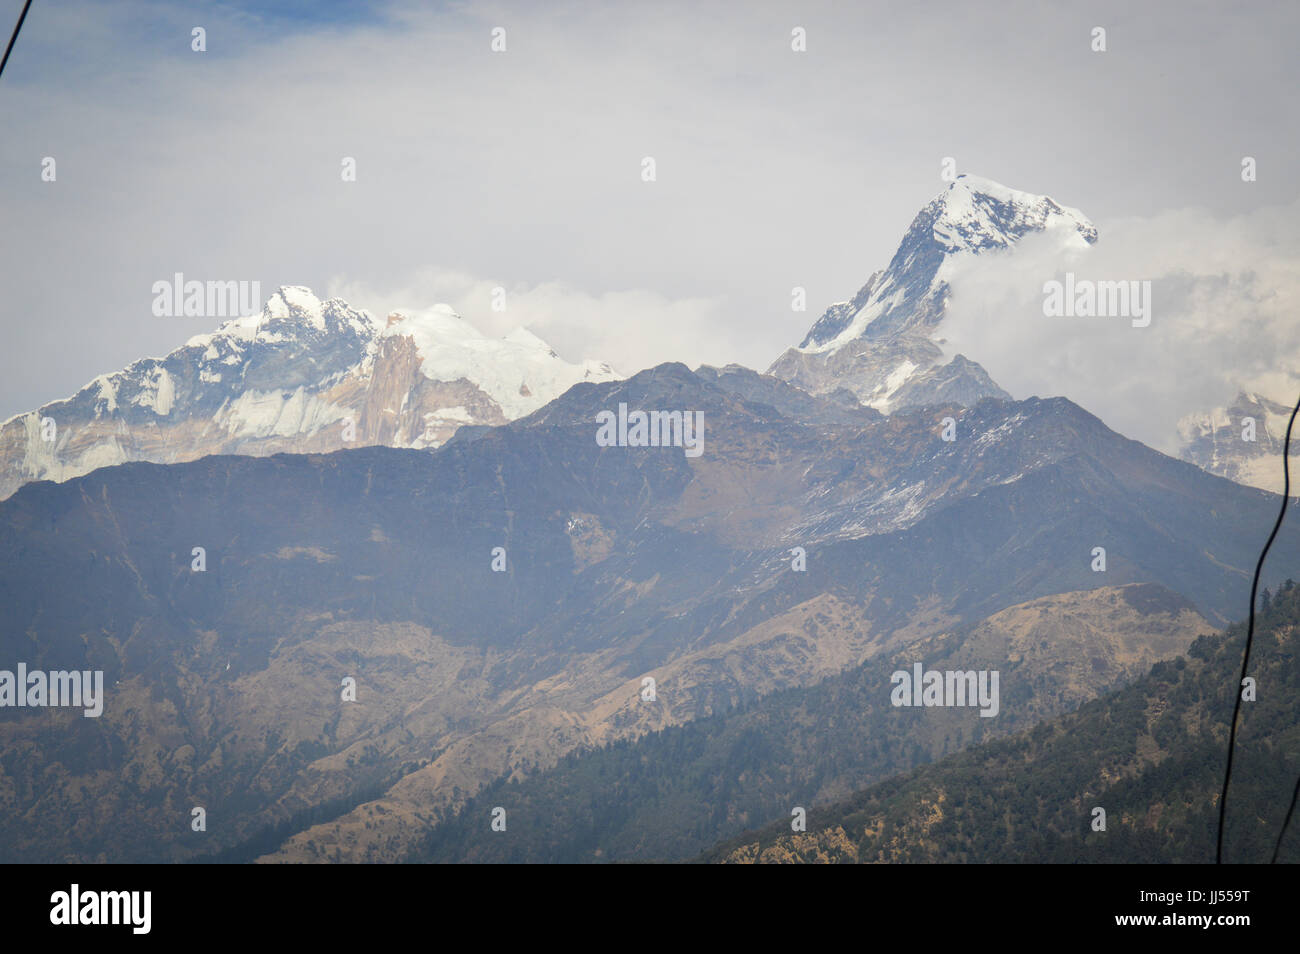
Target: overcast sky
523,168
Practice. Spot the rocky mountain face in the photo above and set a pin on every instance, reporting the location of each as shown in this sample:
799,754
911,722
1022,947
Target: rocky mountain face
881,344
302,376
809,536
1242,442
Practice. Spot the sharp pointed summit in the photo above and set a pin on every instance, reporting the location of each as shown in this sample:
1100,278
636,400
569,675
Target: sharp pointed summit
879,344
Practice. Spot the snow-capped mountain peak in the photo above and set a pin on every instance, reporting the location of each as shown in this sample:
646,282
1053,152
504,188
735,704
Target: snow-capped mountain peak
520,372
295,301
974,214
291,313
971,216
302,375
1242,441
879,344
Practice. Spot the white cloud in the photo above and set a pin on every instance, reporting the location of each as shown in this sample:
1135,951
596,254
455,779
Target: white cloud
630,330
1225,316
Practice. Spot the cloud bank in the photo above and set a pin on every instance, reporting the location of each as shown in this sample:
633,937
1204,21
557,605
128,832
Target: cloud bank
630,330
1225,300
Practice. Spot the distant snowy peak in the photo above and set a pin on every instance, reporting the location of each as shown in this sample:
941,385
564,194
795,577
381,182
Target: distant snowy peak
301,376
972,216
1242,442
520,372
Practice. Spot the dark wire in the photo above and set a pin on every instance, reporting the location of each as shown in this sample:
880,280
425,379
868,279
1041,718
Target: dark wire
21,17
1250,636
1278,847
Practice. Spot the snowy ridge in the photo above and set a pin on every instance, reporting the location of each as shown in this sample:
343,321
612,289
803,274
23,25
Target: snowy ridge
285,316
296,377
520,372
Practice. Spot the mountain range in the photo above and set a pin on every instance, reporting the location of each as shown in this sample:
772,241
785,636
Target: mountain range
302,376
307,376
354,585
618,564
